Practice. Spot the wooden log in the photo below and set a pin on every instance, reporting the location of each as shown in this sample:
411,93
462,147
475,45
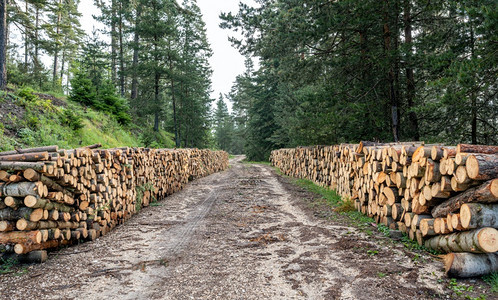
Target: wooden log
6,226
469,148
33,215
483,240
427,227
456,223
12,202
20,166
31,150
482,166
14,237
23,224
465,265
22,189
476,215
36,257
23,248
485,193
28,157
4,176
415,223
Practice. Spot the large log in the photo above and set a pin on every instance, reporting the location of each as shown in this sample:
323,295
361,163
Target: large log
464,265
31,157
25,237
469,148
35,257
475,215
22,189
483,240
482,166
23,248
31,150
485,193
20,166
33,215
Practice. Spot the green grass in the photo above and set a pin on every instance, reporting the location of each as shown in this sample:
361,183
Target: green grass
6,265
71,126
492,280
256,162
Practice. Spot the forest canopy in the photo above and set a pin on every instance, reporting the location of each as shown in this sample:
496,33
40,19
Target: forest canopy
317,72
344,71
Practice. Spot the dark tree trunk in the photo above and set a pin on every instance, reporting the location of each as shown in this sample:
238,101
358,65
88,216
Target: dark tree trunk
37,23
156,87
136,40
3,44
410,78
26,40
113,42
121,54
473,94
56,51
391,74
175,121
156,100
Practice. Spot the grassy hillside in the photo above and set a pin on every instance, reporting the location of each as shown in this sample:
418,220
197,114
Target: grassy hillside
31,119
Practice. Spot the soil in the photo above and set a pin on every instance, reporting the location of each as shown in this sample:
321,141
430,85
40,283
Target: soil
245,233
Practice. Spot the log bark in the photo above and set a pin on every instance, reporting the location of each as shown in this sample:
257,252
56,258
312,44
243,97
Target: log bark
33,215
485,193
7,226
21,166
28,157
23,248
22,189
483,240
31,150
476,215
14,237
470,148
465,265
482,166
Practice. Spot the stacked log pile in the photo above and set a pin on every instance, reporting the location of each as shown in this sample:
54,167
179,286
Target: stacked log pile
51,197
444,197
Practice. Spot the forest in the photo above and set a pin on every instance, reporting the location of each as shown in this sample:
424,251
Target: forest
342,71
148,68
317,72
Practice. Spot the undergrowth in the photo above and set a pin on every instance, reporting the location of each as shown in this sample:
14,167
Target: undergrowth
39,122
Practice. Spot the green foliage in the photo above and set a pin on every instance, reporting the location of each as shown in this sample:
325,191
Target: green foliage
157,139
492,280
103,97
383,229
6,265
71,119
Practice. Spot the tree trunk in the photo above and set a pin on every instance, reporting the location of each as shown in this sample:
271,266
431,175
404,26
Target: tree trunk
410,78
26,26
136,40
175,120
56,51
465,265
113,42
3,44
473,94
391,74
121,51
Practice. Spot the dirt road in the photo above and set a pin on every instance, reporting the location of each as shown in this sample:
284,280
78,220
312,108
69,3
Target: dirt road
245,233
